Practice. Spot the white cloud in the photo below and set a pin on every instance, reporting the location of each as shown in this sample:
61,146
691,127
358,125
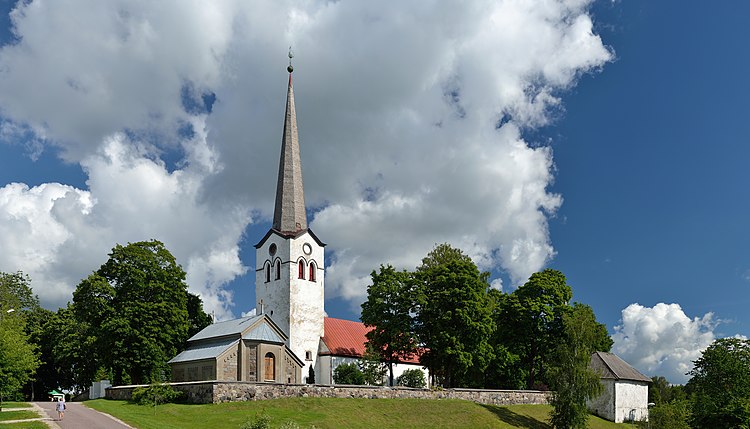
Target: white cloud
58,234
398,106
662,340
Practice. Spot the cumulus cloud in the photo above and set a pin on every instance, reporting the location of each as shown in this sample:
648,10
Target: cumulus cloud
411,120
58,234
662,340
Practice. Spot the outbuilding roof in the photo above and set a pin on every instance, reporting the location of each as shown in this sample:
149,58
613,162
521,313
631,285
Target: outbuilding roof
226,328
610,366
206,350
348,338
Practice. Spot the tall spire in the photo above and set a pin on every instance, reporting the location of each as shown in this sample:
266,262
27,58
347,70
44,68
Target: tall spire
289,215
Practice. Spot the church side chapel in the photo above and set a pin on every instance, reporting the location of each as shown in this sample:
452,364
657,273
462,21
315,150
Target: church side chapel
290,334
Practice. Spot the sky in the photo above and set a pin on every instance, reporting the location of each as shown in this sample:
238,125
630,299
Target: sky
605,139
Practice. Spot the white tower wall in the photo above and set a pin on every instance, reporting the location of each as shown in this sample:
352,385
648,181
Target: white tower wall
295,304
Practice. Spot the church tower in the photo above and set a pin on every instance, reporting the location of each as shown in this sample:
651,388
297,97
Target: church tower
289,275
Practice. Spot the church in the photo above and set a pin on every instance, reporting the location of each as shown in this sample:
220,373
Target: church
290,332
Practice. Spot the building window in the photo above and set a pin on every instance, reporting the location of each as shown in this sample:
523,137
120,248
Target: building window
312,272
301,269
278,269
268,273
308,355
269,373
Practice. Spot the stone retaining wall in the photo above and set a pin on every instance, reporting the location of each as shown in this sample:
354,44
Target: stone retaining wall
203,392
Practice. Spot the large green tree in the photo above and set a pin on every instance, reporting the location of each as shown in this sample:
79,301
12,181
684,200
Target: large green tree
505,370
453,317
388,311
532,325
42,328
18,357
571,377
721,385
135,309
77,351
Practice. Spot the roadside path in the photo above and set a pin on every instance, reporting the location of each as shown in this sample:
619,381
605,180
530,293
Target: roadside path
78,416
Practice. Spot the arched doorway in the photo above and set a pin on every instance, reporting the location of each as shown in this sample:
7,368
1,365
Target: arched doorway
269,367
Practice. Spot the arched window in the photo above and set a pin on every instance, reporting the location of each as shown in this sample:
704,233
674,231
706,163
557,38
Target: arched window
278,269
312,272
269,373
301,269
268,272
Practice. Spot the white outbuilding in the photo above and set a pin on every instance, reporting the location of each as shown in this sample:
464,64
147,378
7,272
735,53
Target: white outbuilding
624,396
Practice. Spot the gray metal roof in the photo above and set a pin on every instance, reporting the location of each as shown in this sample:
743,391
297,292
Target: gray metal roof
206,350
609,365
263,332
222,329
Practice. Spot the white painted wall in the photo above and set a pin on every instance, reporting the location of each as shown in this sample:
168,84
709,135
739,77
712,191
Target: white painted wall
621,401
327,364
323,371
99,389
399,369
631,401
296,305
604,404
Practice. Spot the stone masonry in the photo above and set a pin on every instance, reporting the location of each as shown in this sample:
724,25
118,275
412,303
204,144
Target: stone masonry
204,392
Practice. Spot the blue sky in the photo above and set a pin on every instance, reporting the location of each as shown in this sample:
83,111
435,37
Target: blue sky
620,160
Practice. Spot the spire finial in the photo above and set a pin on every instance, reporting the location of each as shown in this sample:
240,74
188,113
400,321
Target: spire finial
291,55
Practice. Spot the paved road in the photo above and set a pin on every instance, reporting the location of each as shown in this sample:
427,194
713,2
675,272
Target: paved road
78,416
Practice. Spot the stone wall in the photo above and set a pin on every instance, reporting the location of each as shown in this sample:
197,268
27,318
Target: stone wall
218,391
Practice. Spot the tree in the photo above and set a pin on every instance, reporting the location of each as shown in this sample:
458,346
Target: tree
136,308
721,385
197,318
78,356
668,415
373,369
504,370
18,357
311,375
662,392
388,312
348,373
42,328
16,293
533,321
572,379
453,317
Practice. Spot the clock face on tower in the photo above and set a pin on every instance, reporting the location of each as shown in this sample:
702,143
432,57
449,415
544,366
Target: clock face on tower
307,248
272,249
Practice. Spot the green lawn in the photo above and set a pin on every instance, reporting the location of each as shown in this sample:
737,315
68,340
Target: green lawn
25,425
16,405
331,413
17,415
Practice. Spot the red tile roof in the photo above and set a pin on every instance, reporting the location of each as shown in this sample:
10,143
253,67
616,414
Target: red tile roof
347,338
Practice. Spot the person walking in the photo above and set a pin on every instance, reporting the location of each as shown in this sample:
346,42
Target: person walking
60,408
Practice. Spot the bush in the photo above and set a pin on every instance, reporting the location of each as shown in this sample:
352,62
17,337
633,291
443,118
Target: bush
671,415
411,378
262,421
348,373
156,394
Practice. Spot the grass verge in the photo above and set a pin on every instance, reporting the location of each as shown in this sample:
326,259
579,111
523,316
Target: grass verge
25,425
18,415
332,413
16,405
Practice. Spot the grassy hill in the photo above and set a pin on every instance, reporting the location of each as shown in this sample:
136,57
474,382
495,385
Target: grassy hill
331,413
